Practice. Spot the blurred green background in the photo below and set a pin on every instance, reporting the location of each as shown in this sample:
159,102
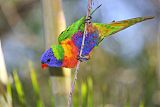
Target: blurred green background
123,72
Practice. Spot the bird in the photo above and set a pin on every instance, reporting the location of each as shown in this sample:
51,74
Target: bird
66,52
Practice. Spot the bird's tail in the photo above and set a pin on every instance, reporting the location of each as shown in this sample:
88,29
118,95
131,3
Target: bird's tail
108,29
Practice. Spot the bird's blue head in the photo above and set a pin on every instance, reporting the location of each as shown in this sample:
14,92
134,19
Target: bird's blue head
48,59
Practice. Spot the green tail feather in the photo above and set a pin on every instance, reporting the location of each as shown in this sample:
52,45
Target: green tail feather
108,29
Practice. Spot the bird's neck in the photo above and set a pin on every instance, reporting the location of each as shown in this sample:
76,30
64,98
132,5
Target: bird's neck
58,51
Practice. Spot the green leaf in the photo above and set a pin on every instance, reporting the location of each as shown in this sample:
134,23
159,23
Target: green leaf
84,94
90,91
19,88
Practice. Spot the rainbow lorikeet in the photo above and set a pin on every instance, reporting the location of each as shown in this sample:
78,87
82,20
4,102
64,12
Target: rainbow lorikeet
66,53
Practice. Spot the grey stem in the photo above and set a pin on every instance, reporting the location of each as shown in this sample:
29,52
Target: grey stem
80,54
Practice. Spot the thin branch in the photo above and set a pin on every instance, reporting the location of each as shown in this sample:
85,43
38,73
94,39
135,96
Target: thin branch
80,54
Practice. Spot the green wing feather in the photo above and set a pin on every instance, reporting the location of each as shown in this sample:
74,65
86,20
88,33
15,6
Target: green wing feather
104,29
114,27
72,29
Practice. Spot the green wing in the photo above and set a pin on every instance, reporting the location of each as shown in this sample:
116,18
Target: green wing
72,29
104,29
108,29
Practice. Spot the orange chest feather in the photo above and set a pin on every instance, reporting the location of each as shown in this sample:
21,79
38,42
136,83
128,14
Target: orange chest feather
70,53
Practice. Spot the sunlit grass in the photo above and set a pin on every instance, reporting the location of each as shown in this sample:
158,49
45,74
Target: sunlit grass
19,88
9,89
84,94
90,92
35,85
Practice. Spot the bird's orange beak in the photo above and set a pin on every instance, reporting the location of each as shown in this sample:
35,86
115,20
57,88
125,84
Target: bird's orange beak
44,66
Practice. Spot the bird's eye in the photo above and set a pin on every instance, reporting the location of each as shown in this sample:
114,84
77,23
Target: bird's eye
48,60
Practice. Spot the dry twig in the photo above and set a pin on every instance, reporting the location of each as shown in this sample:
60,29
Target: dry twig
80,54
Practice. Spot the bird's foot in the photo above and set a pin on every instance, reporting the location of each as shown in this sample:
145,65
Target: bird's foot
83,58
88,20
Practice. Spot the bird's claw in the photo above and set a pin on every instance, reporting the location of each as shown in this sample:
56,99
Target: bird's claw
83,58
88,20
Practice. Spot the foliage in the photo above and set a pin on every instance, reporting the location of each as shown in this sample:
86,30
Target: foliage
83,95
